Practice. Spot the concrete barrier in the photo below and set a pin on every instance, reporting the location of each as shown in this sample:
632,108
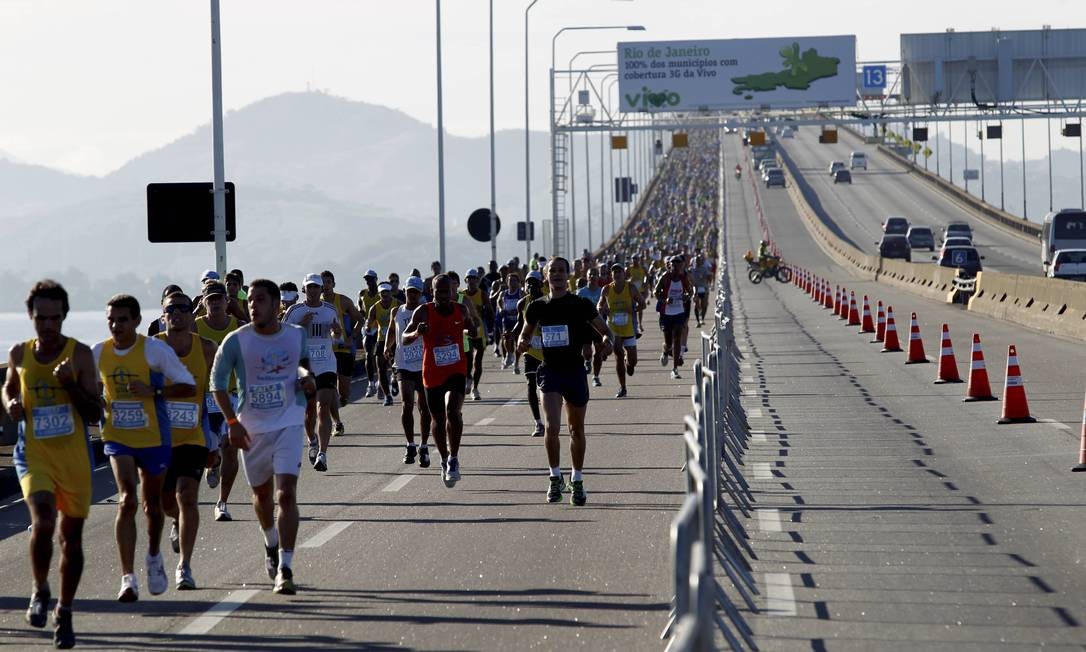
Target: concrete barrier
1050,305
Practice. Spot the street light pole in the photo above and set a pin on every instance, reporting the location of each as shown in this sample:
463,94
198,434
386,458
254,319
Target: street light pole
219,186
440,151
527,148
493,191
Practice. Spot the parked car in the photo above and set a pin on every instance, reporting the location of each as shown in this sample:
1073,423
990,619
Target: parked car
773,177
842,176
921,237
857,160
895,246
1068,264
964,258
896,225
958,229
1064,229
837,165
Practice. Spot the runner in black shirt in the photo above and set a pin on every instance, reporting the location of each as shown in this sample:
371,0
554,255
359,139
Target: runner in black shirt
565,323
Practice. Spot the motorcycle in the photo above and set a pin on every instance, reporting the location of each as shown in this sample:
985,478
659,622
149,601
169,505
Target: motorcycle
773,268
738,173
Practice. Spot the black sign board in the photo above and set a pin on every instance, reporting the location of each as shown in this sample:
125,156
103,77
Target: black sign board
526,227
920,134
624,189
185,212
479,224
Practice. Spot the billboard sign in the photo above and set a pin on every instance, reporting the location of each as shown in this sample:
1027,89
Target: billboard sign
804,71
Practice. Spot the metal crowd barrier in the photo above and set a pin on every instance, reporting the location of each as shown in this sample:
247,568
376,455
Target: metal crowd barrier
708,530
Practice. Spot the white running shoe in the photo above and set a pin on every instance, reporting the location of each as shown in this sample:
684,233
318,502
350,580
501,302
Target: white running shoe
213,476
371,390
313,450
157,582
453,474
475,394
322,462
222,513
130,588
538,432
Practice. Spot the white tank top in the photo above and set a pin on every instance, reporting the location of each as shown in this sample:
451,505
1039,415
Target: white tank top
408,358
675,299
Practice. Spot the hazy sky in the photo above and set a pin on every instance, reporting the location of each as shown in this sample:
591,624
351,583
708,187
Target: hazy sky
88,84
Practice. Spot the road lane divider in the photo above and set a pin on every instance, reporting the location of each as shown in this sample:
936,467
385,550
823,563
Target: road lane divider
769,520
781,599
326,535
205,623
400,482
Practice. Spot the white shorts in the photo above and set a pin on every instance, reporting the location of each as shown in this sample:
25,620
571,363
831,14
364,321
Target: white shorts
277,452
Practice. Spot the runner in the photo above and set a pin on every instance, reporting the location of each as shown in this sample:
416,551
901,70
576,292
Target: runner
52,380
428,292
159,325
494,290
236,292
508,301
593,351
408,362
564,322
194,446
476,338
701,276
619,303
441,326
321,322
380,315
215,326
350,320
672,293
136,431
534,355
270,362
366,298
289,293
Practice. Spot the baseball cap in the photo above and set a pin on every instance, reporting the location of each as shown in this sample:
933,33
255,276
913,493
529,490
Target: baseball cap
384,287
471,272
414,283
370,274
313,279
214,288
210,274
534,276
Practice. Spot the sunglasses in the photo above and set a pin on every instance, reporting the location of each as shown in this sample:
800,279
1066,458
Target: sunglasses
177,307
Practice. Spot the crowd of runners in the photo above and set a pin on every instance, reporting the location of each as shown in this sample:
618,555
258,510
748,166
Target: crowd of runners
254,377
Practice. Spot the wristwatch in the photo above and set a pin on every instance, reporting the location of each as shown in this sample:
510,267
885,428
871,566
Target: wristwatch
159,392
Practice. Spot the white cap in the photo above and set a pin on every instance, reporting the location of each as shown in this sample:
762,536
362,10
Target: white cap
384,287
313,279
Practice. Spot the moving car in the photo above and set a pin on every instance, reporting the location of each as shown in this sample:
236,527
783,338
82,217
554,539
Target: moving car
837,165
857,160
958,229
773,177
765,163
1068,264
896,225
956,242
965,259
921,237
895,246
1064,229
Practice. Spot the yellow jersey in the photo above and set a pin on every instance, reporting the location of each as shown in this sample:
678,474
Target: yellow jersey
204,330
620,317
477,300
384,318
188,415
134,421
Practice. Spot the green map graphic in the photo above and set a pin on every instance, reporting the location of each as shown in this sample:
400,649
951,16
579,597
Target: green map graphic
799,71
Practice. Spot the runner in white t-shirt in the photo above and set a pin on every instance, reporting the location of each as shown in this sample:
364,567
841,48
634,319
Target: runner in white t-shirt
408,360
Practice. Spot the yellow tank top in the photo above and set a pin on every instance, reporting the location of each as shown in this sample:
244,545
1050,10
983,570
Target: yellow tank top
367,303
536,348
477,301
637,275
384,318
204,330
187,414
131,420
620,309
53,430
339,303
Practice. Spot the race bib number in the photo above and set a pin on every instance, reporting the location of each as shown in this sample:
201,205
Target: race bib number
319,353
447,355
266,397
620,318
53,421
212,406
555,336
128,415
183,415
537,342
412,353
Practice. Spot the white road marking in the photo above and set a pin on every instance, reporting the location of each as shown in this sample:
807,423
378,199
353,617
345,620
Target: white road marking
769,520
762,472
203,624
759,438
400,482
749,379
745,365
781,599
1059,426
325,535
516,401
755,413
485,422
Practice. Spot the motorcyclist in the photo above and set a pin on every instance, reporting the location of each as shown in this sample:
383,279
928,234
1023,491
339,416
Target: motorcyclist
766,259
738,171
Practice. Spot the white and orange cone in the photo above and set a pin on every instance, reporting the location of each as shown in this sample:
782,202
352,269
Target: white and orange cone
1015,406
868,325
880,325
890,343
836,300
817,296
842,311
948,364
1081,466
853,314
827,300
916,344
977,389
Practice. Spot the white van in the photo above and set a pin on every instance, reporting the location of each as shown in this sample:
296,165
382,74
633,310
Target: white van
857,160
1065,229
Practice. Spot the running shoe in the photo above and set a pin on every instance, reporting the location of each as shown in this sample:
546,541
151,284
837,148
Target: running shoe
338,429
284,582
621,393
271,560
452,476
222,513
675,373
388,401
314,449
516,369
467,386
679,361
445,471
577,496
509,359
588,366
130,588
63,634
663,358
554,492
596,381
381,393
409,455
394,389
629,370
505,361
38,611
371,390
475,394
424,457
322,463
538,432
157,583
175,537
183,579
213,476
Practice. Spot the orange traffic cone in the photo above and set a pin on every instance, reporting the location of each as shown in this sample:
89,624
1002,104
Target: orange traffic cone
817,296
810,283
1015,407
916,345
880,325
836,300
1082,447
978,388
948,364
890,343
842,313
853,314
868,325
827,300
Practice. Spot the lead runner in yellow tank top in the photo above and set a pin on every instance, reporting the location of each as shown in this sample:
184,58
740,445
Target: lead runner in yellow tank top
620,302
